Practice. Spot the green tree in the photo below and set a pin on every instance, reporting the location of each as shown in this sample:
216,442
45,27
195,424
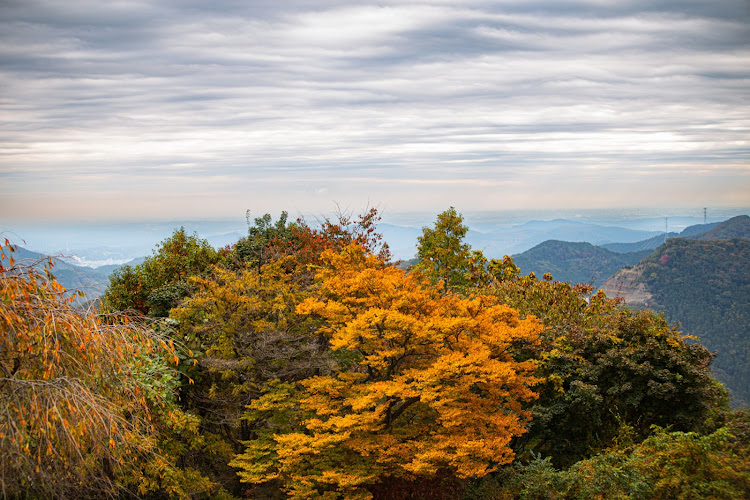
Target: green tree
442,253
161,282
605,367
254,248
666,465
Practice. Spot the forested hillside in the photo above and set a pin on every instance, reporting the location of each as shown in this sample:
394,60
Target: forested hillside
705,285
702,282
301,363
575,262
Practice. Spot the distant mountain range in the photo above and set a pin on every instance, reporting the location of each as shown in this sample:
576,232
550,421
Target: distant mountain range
586,263
506,240
522,237
736,227
92,281
648,245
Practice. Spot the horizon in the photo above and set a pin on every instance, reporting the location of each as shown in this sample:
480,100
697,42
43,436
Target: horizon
411,218
103,242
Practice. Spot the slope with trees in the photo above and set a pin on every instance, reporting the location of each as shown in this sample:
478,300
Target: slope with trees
92,282
705,285
736,227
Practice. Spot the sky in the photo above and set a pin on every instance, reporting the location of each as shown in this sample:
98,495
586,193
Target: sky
187,108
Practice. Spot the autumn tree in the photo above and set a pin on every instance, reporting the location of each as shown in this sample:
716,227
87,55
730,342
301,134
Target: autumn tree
235,311
244,331
242,323
306,243
303,243
161,281
423,382
344,229
85,404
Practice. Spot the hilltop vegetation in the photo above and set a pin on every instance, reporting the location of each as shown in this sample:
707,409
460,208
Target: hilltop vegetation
656,241
580,262
736,227
302,363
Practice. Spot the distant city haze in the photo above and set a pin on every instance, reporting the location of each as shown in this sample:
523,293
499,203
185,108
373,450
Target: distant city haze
166,110
93,244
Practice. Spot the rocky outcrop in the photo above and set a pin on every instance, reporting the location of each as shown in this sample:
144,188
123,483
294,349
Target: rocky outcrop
625,285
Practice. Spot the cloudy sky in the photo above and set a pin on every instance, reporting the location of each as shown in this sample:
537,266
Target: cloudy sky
184,108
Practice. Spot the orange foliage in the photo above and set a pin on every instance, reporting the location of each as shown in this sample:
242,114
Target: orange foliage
74,399
425,382
307,244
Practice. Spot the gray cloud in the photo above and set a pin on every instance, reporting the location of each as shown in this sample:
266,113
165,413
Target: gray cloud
274,103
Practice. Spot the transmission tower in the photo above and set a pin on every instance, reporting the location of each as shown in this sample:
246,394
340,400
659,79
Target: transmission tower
704,215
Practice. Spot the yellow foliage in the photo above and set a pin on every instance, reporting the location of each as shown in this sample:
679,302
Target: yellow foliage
426,380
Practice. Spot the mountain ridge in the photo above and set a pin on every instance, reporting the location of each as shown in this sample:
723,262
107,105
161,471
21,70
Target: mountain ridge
575,262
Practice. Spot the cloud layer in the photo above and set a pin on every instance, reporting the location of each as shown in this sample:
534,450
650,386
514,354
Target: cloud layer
177,108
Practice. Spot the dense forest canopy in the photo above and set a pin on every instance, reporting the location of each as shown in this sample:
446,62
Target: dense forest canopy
302,363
